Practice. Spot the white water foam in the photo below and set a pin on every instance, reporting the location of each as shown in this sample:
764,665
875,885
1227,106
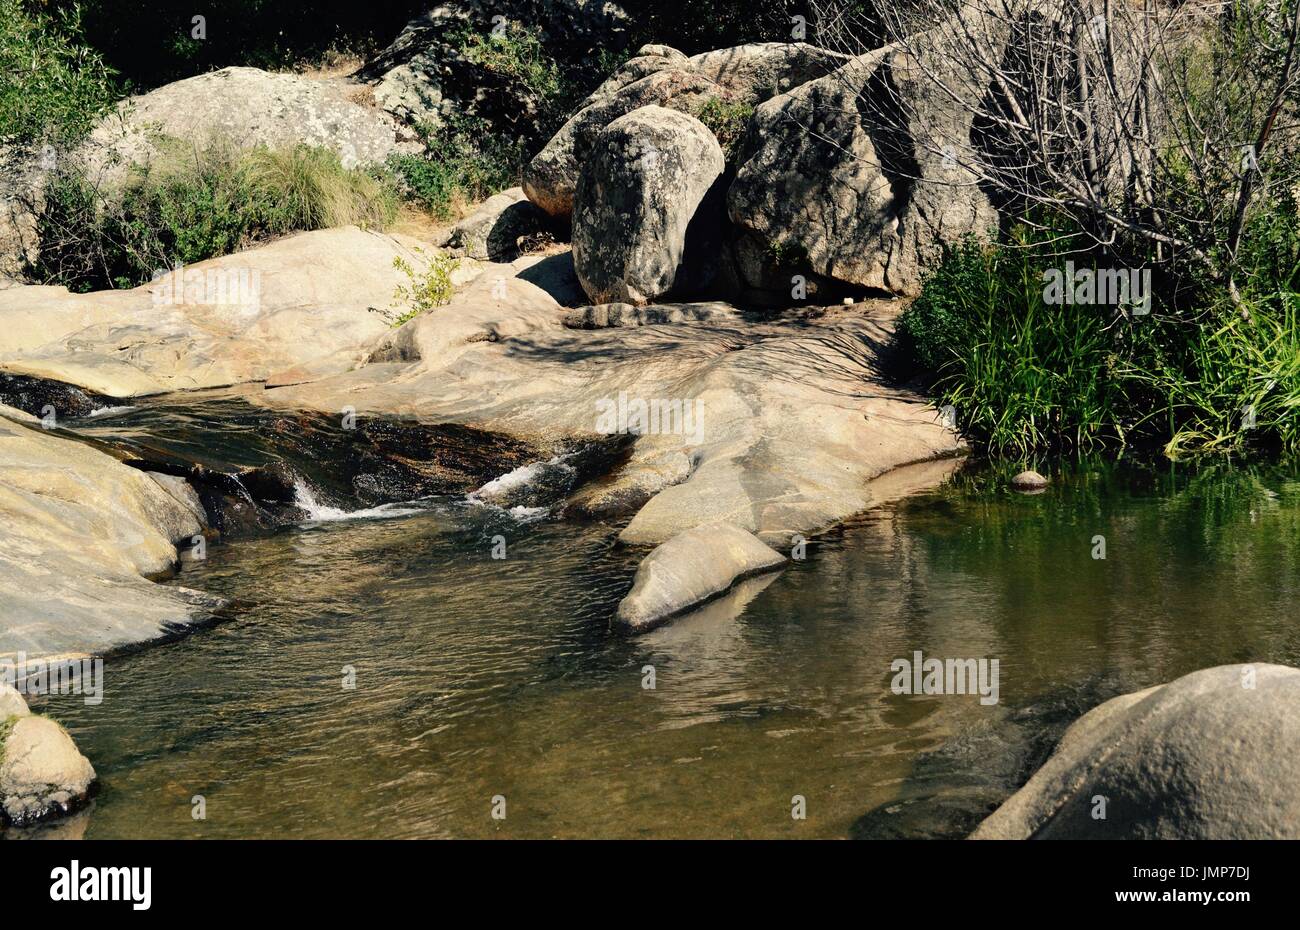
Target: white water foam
109,411
322,513
514,480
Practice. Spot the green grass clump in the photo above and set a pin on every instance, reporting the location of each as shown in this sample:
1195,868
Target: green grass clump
1022,374
307,187
191,205
1205,375
727,121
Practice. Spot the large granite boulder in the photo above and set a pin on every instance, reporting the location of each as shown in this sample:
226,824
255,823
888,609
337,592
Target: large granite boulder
1212,755
854,171
662,76
237,107
224,321
246,107
648,208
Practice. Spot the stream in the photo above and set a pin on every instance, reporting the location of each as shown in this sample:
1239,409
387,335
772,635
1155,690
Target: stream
382,674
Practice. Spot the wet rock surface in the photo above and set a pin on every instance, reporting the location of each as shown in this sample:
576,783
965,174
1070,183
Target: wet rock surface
693,567
42,774
1211,755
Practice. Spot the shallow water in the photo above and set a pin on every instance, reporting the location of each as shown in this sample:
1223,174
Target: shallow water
478,677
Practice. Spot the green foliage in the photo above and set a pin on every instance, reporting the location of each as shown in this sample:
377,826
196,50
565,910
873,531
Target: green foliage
463,162
307,187
52,87
727,121
704,25
427,290
1027,375
1229,383
152,42
190,206
788,255
516,53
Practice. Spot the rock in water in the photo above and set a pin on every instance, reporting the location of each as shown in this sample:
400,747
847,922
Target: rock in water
41,772
1029,481
693,567
647,211
1212,755
80,531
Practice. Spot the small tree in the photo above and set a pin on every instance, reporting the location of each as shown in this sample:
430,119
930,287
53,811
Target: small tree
1155,128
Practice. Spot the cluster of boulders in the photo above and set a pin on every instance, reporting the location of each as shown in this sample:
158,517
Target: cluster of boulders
830,190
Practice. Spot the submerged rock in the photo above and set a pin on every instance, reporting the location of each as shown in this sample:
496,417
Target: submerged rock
42,774
1212,755
1029,481
693,567
647,218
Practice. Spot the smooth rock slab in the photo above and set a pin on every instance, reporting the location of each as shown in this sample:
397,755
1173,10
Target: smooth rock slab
307,303
1202,757
82,534
691,568
42,774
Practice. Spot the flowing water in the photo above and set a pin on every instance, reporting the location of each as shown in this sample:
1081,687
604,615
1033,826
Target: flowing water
383,675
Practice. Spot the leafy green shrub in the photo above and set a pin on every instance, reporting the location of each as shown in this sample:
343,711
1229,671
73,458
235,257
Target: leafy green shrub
427,290
1025,374
727,121
463,162
1022,374
1228,383
516,53
190,206
53,88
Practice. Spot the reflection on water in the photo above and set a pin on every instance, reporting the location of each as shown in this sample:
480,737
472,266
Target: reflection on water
478,677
